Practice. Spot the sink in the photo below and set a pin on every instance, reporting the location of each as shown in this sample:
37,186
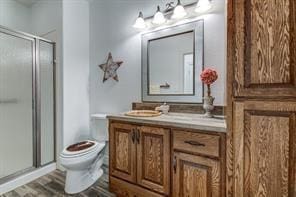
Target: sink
143,113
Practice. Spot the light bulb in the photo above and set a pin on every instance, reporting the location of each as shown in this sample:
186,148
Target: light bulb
140,22
179,11
158,18
203,6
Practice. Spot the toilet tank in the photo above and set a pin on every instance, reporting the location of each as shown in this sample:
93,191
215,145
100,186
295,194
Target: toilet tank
99,127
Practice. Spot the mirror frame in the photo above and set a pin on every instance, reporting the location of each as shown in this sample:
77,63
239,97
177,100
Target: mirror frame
197,27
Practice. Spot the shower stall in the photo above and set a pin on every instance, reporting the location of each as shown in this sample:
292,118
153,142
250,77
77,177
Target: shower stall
27,103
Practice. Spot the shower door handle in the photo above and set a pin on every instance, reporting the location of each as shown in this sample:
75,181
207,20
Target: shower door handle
8,101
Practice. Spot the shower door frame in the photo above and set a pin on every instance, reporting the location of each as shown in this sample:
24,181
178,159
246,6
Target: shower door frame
36,101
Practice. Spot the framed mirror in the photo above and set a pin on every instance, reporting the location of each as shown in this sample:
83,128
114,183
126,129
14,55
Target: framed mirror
172,58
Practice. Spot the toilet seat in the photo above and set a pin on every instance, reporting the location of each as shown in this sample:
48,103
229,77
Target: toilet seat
84,147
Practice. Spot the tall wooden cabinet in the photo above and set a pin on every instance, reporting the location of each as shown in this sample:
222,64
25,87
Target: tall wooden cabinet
264,148
261,159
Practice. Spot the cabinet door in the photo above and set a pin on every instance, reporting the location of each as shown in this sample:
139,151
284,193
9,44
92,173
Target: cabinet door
153,152
123,151
264,149
264,55
196,176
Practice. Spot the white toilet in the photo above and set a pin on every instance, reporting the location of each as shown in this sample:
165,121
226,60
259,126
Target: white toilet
83,160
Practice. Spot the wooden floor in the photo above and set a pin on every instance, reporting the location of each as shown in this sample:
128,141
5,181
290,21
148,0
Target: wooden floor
52,185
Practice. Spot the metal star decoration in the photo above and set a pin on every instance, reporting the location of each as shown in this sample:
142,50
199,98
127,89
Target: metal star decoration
110,68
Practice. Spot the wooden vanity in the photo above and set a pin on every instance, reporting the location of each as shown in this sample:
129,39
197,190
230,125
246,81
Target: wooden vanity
167,156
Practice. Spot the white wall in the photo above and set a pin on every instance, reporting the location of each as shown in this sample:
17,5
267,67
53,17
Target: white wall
215,52
75,70
15,15
46,17
111,31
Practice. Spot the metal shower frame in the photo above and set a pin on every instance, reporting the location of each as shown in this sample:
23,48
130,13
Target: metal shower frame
36,101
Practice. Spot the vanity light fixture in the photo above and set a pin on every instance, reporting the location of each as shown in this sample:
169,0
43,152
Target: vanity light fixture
140,22
158,18
203,6
179,11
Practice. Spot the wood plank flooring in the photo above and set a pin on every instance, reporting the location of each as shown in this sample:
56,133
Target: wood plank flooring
52,185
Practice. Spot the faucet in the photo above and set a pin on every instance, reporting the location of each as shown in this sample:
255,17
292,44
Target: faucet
164,108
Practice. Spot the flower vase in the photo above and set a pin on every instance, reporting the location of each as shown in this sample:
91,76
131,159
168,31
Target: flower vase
208,104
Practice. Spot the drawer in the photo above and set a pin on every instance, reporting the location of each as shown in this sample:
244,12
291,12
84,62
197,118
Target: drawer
194,142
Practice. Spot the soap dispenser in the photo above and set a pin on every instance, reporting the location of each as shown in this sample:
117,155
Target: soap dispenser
163,108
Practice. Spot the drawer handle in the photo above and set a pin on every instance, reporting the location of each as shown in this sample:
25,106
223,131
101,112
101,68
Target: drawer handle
138,136
194,143
175,164
133,135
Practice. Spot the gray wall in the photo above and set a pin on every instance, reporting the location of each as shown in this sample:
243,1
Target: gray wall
15,15
75,71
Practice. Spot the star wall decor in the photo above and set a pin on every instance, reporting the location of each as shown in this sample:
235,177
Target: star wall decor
110,68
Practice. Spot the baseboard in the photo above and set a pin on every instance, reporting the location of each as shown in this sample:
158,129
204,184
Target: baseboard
22,180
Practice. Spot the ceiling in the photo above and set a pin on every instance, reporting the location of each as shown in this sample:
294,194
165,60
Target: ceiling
27,2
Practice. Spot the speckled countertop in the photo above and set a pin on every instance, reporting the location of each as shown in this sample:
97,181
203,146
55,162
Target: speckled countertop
180,120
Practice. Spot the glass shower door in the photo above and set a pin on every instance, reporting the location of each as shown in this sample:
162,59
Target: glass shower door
46,77
16,104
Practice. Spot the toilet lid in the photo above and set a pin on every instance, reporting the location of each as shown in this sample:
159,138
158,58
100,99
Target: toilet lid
80,148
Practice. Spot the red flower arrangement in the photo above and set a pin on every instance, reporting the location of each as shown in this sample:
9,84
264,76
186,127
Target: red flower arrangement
208,76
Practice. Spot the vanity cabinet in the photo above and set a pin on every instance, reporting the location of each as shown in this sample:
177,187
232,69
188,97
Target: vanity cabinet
140,155
159,160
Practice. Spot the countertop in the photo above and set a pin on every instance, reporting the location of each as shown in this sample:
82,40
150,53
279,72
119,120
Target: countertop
179,120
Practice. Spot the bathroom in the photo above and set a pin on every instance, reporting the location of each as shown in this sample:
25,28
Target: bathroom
91,105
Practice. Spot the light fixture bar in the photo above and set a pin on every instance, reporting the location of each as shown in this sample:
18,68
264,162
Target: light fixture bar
170,10
176,13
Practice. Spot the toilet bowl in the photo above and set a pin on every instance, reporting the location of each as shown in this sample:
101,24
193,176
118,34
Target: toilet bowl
83,162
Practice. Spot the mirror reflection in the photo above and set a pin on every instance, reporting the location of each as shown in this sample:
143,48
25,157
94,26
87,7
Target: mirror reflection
171,60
